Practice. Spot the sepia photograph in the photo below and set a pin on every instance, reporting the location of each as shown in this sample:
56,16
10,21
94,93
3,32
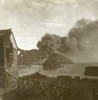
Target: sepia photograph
48,49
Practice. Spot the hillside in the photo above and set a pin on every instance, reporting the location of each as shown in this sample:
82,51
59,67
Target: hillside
30,57
34,56
60,58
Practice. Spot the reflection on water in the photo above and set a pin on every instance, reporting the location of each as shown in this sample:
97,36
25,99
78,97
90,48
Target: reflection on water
68,69
29,70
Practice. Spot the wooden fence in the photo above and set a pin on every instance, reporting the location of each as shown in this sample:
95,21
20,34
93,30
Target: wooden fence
43,90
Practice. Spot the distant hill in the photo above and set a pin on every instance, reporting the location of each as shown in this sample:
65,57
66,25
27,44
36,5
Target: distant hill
60,58
31,57
34,56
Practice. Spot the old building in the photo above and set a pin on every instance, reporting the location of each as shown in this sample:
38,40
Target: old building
8,56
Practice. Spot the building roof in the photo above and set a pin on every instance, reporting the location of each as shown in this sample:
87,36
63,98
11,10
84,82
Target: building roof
4,32
8,32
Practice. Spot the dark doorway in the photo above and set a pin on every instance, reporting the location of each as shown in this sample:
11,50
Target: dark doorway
1,52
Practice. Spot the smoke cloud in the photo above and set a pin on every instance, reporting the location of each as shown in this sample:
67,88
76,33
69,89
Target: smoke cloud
84,35
49,43
81,43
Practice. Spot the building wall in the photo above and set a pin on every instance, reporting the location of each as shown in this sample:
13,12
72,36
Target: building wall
11,62
1,53
13,70
13,41
9,67
12,67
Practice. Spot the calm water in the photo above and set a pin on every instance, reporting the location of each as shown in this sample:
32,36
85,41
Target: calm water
68,69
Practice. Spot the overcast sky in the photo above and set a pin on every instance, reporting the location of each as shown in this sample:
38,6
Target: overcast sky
31,19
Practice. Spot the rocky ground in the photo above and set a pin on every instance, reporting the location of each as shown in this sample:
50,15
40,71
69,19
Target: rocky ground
80,89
